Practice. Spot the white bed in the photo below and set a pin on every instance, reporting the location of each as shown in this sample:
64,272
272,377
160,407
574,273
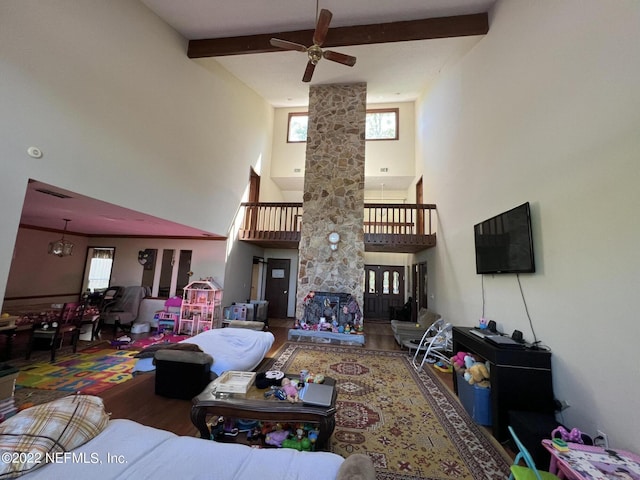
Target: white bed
231,348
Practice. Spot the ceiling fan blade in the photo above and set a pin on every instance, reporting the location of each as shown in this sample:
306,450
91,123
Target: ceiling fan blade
276,42
308,73
347,60
322,27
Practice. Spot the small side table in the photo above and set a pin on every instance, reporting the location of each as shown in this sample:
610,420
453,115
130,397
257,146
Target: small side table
586,462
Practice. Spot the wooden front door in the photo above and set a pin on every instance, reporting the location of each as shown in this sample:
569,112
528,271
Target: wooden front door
277,287
384,288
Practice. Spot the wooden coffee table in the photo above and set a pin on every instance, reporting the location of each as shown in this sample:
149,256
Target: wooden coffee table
254,406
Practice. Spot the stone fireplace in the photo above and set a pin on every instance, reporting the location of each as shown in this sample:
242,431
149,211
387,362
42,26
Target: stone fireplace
337,310
333,200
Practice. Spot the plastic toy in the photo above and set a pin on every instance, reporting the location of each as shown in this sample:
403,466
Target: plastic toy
560,445
276,437
574,436
300,445
290,389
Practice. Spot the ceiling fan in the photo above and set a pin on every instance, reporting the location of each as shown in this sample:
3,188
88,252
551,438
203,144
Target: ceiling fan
315,52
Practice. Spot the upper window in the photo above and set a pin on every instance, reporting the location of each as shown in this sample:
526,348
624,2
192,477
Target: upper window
381,124
297,129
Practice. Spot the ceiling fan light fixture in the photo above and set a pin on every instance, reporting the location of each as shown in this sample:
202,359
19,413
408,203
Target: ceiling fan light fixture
61,247
314,52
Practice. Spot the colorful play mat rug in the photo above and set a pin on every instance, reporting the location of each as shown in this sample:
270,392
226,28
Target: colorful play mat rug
153,340
89,372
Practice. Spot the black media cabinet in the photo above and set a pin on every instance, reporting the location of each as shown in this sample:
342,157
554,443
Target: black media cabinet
520,379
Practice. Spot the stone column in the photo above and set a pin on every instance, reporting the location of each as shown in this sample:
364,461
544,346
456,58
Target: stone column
333,193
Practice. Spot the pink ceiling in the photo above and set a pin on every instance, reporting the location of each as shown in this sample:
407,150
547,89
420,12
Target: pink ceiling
89,216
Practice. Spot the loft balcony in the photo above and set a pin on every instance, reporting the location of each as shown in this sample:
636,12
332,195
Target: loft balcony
395,228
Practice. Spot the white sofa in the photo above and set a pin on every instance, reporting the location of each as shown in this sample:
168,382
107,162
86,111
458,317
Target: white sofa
75,439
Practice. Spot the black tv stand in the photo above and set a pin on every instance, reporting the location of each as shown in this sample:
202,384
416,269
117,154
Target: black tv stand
520,378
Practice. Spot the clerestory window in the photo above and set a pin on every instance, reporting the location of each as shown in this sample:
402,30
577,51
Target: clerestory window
381,124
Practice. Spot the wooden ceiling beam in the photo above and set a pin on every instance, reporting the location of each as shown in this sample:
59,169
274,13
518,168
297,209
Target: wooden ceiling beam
425,29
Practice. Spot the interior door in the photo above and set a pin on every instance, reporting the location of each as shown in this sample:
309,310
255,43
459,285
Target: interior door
421,285
277,287
184,271
384,288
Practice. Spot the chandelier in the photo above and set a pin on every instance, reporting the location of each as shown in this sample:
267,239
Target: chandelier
62,247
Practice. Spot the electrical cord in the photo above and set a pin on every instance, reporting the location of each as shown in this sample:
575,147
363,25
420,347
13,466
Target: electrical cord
482,286
526,309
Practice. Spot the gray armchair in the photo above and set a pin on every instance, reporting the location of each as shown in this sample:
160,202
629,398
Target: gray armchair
413,331
123,310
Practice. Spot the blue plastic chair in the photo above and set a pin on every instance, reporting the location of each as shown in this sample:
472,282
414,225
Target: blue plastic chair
528,472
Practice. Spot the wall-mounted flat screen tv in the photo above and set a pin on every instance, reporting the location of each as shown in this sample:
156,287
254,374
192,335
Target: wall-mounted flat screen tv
504,243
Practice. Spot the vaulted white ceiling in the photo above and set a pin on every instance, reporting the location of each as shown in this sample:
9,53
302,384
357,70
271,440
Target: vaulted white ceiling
394,72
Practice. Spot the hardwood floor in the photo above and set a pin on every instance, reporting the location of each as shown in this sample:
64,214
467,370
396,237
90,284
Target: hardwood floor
136,399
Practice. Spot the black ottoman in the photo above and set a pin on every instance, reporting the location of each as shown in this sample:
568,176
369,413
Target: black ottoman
182,374
531,428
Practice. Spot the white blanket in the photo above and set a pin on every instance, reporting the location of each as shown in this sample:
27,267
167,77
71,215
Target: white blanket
129,450
231,348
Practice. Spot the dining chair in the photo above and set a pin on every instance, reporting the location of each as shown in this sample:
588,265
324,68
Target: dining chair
51,334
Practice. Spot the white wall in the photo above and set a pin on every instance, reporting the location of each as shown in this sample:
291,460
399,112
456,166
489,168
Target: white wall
396,155
106,91
207,258
546,109
35,273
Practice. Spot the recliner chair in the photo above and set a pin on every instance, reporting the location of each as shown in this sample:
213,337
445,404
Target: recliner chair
123,309
403,331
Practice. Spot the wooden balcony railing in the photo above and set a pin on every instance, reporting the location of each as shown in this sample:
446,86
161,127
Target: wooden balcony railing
404,228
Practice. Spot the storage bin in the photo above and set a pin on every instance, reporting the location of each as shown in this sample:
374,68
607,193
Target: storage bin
482,406
261,307
238,312
249,311
140,328
475,400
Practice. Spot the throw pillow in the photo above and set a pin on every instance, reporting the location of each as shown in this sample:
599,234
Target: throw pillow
35,435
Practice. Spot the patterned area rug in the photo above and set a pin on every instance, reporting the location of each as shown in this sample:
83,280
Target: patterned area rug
408,423
90,371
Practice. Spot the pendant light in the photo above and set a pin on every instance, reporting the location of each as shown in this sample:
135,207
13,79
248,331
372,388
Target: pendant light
62,247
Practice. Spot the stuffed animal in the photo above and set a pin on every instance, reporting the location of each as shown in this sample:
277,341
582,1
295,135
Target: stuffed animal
276,437
458,360
469,361
479,375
